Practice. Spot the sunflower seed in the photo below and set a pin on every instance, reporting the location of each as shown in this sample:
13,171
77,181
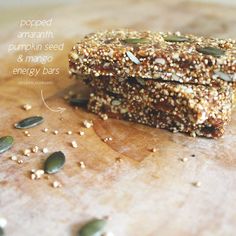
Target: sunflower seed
176,38
93,228
54,162
115,102
1,231
29,122
223,76
6,143
141,81
132,57
78,101
135,40
216,52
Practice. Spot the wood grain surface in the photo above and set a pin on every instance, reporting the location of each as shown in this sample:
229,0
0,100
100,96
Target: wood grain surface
143,193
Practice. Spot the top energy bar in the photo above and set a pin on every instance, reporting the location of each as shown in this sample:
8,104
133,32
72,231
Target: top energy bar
150,55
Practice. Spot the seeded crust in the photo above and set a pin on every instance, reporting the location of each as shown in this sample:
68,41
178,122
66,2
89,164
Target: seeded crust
106,54
101,104
190,103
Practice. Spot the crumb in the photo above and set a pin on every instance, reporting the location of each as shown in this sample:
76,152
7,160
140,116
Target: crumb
69,132
118,159
104,116
45,130
35,149
88,124
27,152
184,159
20,161
82,165
56,184
13,158
107,139
154,149
74,144
55,132
37,174
193,155
81,133
27,107
197,184
45,150
108,234
3,222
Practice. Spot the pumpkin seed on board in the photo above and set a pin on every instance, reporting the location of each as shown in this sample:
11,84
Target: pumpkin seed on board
216,52
78,102
93,228
176,38
223,76
6,143
132,57
54,162
29,122
1,231
115,102
135,40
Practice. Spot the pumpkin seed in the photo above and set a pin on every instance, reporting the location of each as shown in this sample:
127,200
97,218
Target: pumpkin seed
78,102
135,40
123,110
141,81
223,76
29,122
216,52
1,231
93,228
176,38
6,143
54,162
132,57
115,102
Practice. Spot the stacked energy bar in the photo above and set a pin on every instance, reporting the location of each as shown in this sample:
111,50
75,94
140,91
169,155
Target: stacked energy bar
178,82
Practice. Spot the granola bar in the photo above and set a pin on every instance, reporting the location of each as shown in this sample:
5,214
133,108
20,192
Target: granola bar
102,103
159,56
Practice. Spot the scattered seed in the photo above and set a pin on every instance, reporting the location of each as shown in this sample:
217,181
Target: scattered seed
135,40
45,130
107,139
82,165
45,150
55,132
132,57
223,76
81,133
54,162
27,107
35,149
216,52
37,174
74,144
69,132
197,184
175,39
27,152
154,149
26,132
56,184
29,122
93,227
141,81
88,124
28,135
20,161
104,116
78,102
185,159
6,143
13,158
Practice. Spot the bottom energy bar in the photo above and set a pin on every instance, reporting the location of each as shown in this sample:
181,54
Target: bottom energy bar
120,108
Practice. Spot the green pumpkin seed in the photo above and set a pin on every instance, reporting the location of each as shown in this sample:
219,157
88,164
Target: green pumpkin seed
54,162
135,40
1,231
6,143
93,228
78,102
132,57
176,38
29,122
216,52
223,76
115,102
141,81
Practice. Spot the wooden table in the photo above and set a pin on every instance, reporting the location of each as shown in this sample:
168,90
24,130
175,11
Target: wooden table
144,193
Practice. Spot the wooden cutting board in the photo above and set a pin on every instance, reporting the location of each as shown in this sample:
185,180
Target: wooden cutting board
143,193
